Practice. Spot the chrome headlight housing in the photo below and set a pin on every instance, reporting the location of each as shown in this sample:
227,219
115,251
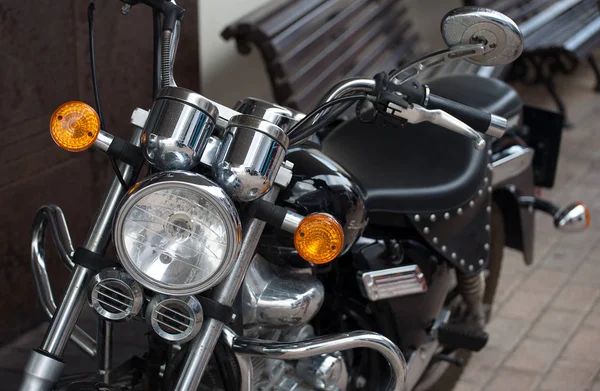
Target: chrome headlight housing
177,233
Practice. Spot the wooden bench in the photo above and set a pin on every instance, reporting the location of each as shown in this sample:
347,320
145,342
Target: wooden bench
309,45
557,34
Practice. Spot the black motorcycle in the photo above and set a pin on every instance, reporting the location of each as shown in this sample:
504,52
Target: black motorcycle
268,249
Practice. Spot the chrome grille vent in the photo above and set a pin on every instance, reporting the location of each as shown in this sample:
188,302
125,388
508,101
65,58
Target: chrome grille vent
115,295
175,319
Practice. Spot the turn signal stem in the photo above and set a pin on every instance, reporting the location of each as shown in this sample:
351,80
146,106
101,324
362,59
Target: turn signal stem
574,217
120,149
276,216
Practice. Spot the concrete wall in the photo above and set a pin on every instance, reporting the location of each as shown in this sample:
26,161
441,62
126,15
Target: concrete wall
227,76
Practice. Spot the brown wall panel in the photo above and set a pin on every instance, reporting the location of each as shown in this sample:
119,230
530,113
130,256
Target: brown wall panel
44,62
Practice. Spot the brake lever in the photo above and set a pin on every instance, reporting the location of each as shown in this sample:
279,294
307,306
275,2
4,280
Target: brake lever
415,114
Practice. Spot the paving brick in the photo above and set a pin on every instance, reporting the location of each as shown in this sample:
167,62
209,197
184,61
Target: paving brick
466,386
482,365
585,345
569,375
534,355
555,325
525,305
588,273
508,379
562,258
505,333
593,318
544,281
576,297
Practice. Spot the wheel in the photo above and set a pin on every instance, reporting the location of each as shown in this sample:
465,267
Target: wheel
451,373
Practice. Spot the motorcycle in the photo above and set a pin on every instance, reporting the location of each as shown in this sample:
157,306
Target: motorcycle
268,249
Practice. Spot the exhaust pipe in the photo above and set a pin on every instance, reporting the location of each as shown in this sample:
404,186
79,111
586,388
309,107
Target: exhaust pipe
243,346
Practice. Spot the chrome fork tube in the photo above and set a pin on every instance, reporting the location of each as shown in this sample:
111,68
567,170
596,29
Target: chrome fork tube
65,317
203,345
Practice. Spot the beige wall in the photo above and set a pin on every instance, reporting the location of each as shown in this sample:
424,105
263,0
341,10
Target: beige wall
227,76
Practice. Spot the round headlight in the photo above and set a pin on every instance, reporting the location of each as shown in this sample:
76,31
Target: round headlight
177,233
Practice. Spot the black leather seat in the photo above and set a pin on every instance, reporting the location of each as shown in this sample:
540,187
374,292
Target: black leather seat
420,168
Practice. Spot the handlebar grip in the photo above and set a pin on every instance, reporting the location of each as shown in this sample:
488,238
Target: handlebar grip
479,120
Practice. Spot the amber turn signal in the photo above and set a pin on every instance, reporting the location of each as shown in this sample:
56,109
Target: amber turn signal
74,126
319,238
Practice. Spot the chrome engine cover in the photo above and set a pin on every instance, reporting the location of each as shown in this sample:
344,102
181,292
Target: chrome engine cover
276,297
278,304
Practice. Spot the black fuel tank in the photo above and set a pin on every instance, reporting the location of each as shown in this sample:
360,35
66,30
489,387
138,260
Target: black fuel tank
318,185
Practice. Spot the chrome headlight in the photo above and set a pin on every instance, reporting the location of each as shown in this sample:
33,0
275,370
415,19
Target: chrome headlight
177,233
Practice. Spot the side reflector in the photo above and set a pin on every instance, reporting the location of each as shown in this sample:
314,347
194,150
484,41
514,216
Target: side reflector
319,238
74,126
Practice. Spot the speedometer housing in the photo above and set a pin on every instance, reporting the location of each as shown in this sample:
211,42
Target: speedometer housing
177,233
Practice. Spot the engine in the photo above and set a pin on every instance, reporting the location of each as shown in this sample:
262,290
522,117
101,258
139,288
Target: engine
278,304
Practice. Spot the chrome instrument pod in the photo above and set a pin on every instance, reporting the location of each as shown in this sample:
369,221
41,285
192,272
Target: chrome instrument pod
500,35
281,116
250,157
177,129
572,218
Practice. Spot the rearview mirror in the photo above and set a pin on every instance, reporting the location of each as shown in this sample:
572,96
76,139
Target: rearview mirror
501,36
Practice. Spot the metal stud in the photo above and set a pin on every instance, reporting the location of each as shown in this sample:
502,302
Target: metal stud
490,152
486,180
446,216
453,255
480,191
417,218
462,262
486,247
471,268
459,211
444,248
481,262
490,167
435,240
426,230
487,227
488,209
432,217
471,204
490,189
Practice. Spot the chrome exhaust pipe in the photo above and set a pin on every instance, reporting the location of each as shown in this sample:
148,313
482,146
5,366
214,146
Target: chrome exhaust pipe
243,346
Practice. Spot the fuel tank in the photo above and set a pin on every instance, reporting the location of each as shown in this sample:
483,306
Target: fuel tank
318,184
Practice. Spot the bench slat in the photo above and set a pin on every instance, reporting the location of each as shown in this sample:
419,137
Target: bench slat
302,50
337,56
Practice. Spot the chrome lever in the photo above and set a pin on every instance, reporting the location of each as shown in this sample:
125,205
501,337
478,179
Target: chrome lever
415,114
436,59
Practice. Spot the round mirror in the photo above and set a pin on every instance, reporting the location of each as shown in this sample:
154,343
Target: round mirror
501,36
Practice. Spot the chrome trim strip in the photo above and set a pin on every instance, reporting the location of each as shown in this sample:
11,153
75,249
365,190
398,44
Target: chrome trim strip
394,282
516,159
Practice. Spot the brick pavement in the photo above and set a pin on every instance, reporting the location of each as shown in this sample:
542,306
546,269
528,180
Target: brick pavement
545,332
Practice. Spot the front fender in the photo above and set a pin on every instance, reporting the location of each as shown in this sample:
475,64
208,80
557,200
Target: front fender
518,221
